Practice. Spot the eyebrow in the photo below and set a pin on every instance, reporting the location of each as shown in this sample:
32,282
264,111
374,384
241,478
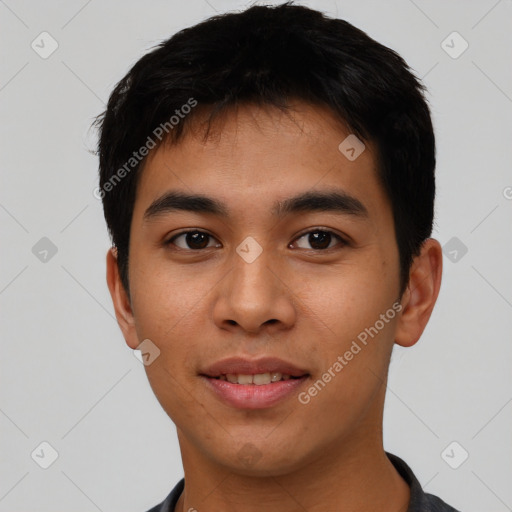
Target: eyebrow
335,201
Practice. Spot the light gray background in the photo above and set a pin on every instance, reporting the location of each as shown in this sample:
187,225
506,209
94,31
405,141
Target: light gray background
67,376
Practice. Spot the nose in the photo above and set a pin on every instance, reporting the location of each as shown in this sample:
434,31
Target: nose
254,298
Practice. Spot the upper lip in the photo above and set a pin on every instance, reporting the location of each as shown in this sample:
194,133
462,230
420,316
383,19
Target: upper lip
240,365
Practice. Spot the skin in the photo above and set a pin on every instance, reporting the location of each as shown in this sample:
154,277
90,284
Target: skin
202,305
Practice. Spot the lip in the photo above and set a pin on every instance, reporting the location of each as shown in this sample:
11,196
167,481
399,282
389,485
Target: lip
252,396
248,367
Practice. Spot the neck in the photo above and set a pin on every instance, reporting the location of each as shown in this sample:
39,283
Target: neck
356,476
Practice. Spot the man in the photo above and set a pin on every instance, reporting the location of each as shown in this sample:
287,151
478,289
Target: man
268,183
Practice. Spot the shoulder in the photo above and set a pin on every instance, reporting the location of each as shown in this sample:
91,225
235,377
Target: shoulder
169,503
433,503
420,500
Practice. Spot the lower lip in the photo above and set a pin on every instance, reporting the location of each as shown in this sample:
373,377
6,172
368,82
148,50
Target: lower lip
252,396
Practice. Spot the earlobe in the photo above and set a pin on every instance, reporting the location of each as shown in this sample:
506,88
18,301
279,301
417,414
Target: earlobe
421,294
120,300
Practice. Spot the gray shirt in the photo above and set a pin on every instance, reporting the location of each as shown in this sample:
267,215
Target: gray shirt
420,501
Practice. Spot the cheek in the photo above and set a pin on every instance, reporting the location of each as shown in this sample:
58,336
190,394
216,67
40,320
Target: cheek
165,298
169,309
344,311
345,301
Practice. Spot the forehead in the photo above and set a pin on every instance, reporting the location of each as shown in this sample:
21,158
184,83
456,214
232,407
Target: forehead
256,156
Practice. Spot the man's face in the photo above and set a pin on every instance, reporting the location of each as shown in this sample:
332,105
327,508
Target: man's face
304,299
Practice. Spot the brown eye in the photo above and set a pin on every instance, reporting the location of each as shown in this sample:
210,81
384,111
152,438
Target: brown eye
192,240
319,239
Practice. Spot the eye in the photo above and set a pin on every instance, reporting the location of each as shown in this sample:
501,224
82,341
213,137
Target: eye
193,239
319,239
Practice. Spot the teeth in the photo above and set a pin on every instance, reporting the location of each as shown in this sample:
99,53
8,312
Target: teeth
261,378
245,379
258,379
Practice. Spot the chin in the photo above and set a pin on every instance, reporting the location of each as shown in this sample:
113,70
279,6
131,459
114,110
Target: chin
259,459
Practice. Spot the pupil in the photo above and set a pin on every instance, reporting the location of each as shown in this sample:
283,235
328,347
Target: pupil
321,239
197,240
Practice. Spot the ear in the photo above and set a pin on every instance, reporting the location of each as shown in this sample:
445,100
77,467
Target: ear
121,300
421,294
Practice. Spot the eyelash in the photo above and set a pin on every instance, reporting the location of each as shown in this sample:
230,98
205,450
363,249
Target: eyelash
340,239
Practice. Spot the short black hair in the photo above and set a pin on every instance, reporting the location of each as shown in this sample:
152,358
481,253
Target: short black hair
270,56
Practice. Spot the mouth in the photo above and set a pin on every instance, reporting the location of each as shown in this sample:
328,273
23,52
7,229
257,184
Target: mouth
257,384
265,369
259,379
